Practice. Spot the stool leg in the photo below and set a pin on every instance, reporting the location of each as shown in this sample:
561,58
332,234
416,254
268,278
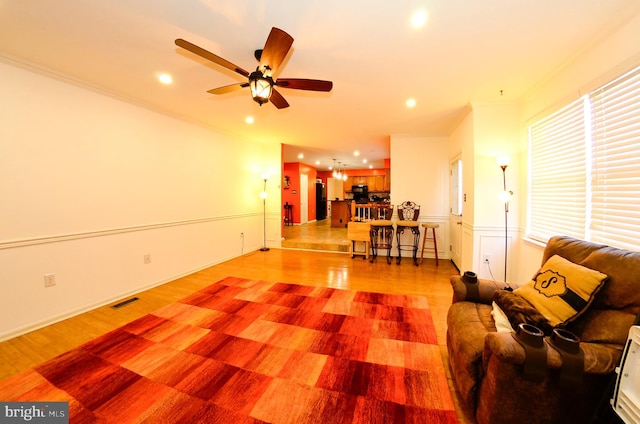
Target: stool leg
435,244
424,240
389,240
416,241
399,232
373,233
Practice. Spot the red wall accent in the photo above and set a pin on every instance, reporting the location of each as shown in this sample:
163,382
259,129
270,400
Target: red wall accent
293,170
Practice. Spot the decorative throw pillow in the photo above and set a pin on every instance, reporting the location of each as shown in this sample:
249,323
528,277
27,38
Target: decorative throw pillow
562,290
518,310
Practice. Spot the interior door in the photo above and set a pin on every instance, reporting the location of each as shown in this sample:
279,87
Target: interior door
304,198
455,218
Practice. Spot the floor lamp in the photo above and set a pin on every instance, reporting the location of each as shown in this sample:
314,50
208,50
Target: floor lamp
264,247
505,196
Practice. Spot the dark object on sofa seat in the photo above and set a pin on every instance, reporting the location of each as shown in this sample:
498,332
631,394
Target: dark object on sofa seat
487,365
518,310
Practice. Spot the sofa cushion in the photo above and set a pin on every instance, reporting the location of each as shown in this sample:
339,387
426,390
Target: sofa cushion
622,291
569,248
602,326
519,310
562,290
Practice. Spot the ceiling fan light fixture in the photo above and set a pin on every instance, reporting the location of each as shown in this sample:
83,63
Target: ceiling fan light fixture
261,87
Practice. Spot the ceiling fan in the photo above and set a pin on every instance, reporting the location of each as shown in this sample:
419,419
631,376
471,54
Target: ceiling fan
261,80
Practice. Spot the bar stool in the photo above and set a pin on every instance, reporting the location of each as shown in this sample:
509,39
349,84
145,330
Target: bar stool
433,238
288,214
381,231
408,213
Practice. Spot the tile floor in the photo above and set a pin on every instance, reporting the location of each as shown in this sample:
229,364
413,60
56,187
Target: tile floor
316,235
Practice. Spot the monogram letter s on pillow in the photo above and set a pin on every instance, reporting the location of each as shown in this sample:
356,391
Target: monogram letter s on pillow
550,283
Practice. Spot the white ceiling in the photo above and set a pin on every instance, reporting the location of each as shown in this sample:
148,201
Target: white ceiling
469,50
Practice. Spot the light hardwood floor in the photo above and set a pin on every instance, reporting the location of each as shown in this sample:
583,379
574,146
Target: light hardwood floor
325,269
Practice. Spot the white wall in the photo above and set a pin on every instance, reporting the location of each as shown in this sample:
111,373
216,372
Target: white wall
90,184
490,130
612,56
496,133
420,173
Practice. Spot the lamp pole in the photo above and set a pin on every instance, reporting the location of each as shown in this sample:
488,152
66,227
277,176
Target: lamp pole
506,214
264,247
503,162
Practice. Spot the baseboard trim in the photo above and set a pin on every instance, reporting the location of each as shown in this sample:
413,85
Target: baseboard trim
16,332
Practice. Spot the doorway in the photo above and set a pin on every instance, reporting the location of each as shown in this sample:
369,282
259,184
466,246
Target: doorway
456,208
304,198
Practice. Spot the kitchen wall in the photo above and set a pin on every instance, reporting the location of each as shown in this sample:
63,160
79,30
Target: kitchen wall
91,184
420,173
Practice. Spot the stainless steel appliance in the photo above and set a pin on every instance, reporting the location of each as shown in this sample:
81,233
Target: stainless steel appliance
360,193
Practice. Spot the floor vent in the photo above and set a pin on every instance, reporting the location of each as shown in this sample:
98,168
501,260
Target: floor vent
125,303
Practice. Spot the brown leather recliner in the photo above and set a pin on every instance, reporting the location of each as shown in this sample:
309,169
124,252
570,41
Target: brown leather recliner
487,365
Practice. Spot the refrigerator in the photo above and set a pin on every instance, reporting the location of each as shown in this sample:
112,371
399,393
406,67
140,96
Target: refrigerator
321,201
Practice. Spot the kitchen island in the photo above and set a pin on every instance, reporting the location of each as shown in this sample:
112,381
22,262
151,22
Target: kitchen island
340,213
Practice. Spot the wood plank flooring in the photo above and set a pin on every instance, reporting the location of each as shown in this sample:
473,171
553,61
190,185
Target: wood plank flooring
324,269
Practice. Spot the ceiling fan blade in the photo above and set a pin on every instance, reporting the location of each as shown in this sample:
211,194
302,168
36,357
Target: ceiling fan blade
277,100
210,56
228,88
304,84
275,49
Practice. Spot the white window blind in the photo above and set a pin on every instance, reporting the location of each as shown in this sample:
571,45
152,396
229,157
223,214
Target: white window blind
557,175
615,173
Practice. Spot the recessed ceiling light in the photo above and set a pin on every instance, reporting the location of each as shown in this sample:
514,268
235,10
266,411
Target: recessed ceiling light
356,153
419,19
300,156
364,161
411,103
317,162
249,120
165,78
370,166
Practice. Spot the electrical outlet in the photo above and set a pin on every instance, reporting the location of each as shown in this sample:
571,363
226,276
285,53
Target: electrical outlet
147,258
485,258
49,280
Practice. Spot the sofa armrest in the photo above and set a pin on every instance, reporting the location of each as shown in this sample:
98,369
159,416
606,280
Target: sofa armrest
598,358
505,396
484,293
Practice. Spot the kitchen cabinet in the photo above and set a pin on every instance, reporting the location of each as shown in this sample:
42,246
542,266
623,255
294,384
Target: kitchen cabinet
376,183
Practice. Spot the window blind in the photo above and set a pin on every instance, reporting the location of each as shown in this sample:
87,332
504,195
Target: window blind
615,172
557,175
